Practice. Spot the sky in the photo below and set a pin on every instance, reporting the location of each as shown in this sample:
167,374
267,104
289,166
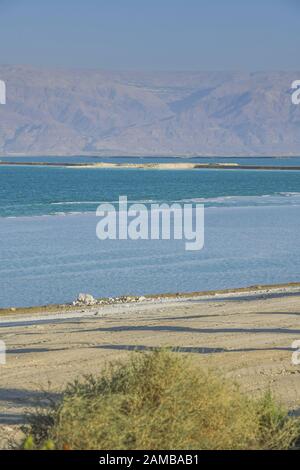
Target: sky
152,34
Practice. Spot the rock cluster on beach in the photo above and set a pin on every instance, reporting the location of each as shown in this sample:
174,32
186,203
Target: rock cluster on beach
87,300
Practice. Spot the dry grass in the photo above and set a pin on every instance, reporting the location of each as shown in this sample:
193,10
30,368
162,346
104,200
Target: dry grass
159,400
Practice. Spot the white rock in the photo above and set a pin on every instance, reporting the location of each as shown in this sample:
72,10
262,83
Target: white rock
85,299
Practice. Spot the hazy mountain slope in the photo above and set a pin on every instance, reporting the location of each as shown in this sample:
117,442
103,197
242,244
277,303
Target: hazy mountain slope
92,112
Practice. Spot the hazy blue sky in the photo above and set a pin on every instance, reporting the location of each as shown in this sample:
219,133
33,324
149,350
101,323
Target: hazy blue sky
152,34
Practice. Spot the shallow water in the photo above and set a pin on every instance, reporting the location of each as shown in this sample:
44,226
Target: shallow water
49,251
32,191
51,259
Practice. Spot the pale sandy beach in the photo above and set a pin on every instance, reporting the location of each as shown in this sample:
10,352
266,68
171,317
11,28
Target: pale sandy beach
154,166
246,335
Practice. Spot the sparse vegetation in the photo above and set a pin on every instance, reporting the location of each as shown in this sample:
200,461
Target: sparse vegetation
159,400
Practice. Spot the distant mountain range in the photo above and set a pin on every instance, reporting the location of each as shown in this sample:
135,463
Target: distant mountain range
90,112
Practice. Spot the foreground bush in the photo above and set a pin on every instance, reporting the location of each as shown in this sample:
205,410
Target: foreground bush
160,401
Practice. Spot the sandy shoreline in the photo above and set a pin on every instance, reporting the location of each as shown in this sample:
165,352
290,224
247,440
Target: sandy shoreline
246,334
255,290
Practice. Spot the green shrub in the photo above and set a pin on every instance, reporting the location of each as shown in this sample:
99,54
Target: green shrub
158,400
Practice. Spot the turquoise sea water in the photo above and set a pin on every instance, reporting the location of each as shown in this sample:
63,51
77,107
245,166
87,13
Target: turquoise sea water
49,251
30,191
